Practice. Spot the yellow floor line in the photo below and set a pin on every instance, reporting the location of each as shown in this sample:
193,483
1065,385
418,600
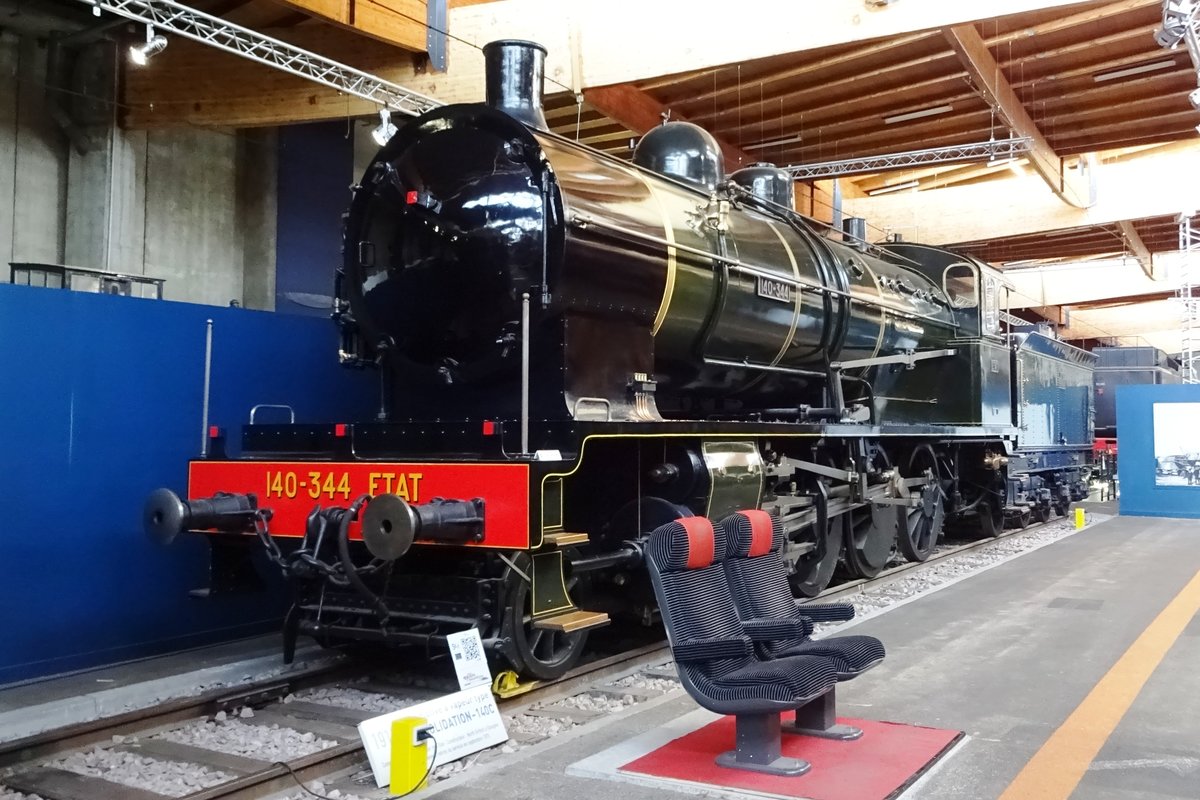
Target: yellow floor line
1056,769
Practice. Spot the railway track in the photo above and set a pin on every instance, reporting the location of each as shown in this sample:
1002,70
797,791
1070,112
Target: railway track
619,679
139,733
944,553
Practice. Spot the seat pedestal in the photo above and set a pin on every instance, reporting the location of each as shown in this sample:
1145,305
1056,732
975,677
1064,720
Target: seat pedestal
758,748
818,718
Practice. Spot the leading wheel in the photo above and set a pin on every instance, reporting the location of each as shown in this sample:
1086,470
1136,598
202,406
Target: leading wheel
541,653
918,528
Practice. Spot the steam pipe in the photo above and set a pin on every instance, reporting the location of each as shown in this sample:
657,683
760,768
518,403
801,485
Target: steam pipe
525,373
208,330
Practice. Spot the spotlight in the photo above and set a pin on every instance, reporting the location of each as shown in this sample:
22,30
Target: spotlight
155,43
386,130
1194,99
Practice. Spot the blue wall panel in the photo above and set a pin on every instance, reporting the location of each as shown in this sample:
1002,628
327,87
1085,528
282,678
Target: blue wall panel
100,400
1135,459
315,166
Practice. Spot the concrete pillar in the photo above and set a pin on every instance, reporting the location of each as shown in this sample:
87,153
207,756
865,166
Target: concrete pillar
9,59
195,207
193,235
33,157
257,212
106,201
41,165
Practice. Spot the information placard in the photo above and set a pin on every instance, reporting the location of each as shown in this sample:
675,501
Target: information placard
463,723
470,662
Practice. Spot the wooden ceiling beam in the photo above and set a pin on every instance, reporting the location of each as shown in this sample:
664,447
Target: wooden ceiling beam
995,89
193,84
877,104
590,44
1142,33
1150,185
1133,240
395,22
826,145
1103,95
1084,72
1144,125
1161,136
639,112
849,82
1089,17
810,68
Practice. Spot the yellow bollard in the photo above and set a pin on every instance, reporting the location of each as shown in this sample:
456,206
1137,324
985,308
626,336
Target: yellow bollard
1079,518
409,757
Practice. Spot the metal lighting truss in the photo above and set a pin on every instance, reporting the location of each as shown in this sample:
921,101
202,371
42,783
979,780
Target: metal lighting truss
991,150
1181,25
1189,296
176,18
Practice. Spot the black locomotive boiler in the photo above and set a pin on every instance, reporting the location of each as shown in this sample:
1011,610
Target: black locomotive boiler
574,349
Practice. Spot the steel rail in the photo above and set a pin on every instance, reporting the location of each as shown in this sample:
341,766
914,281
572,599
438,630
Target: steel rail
860,585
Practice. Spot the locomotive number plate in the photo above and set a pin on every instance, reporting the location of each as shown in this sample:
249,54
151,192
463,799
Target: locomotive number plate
292,488
775,290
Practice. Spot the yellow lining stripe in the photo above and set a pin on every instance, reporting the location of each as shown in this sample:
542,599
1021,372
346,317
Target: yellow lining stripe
787,342
672,253
672,258
1056,769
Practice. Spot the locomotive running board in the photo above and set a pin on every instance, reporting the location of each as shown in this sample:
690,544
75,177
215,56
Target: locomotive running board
572,621
562,539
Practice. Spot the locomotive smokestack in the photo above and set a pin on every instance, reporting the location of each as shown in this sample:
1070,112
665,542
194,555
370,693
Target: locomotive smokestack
515,79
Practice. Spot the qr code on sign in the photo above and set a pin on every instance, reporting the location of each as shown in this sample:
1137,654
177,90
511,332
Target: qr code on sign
470,649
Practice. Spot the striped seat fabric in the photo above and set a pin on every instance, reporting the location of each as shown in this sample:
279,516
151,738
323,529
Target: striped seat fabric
758,581
717,663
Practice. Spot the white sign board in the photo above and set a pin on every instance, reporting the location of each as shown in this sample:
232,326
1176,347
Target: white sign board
463,723
470,663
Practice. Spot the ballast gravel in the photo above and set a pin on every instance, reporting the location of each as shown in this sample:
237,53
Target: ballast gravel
13,794
170,778
600,703
648,682
349,697
319,788
265,743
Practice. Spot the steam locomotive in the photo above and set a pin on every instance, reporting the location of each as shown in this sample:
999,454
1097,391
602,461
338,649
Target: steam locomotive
574,349
1116,367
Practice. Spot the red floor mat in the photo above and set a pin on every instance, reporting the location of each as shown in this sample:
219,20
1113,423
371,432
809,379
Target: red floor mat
887,758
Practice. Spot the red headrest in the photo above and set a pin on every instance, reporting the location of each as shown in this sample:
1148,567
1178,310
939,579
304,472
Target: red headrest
752,533
701,541
687,543
761,532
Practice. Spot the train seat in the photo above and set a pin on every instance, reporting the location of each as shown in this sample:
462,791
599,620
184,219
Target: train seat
717,662
757,578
